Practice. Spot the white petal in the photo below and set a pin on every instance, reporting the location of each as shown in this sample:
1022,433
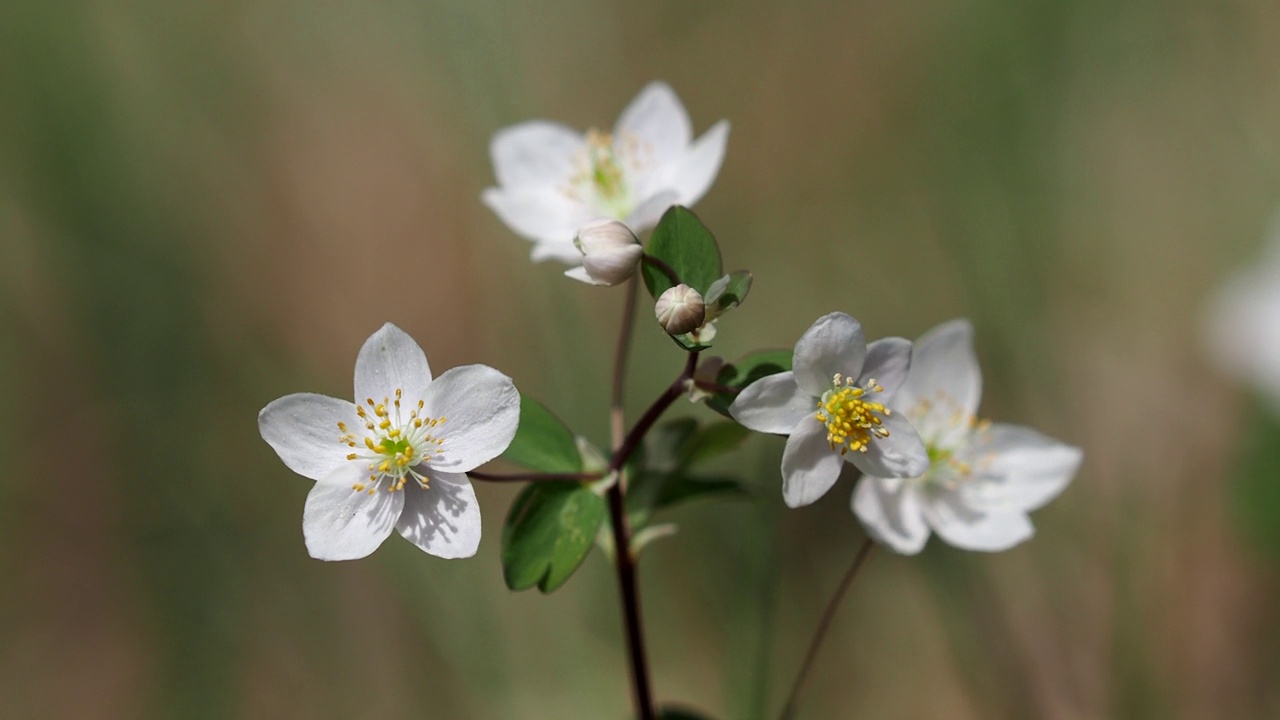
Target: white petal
658,122
945,373
340,523
890,511
443,519
614,266
535,154
773,404
390,360
692,175
565,252
580,274
1032,468
833,344
970,529
543,215
887,362
901,454
649,212
809,466
481,408
303,430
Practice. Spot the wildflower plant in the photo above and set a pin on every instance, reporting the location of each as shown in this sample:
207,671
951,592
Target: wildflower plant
402,456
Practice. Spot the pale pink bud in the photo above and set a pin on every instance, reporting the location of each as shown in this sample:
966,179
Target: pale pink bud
680,310
610,253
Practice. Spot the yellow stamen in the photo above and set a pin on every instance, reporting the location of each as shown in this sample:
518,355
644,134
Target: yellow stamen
395,444
852,421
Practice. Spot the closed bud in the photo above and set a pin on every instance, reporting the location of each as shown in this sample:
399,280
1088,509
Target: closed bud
610,253
680,310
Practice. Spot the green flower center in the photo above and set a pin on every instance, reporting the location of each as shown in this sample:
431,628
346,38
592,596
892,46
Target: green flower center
601,179
394,443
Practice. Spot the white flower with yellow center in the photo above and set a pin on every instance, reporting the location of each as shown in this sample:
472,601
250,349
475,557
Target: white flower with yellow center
982,479
835,404
552,179
397,457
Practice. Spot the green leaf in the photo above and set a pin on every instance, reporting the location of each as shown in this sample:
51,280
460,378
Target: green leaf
692,342
727,293
662,476
679,488
745,371
714,439
542,442
684,243
548,533
664,446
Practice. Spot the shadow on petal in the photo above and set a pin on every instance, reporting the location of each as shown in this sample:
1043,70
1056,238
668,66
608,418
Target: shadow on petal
444,518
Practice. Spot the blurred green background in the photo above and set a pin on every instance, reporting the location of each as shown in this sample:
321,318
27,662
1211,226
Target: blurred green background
206,206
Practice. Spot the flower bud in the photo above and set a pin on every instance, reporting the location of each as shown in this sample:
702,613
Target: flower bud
610,253
680,310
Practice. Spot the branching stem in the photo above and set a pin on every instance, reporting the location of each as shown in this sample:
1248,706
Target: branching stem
535,477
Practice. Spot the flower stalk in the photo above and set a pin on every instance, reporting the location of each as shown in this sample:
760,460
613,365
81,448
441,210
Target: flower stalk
864,554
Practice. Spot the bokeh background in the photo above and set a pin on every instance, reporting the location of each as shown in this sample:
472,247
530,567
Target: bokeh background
206,206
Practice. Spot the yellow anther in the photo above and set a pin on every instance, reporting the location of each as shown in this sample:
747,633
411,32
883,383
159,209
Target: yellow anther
352,456
394,432
384,424
369,444
381,410
385,466
851,420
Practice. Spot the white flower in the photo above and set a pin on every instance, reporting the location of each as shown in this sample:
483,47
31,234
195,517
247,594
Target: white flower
552,179
680,309
610,253
982,479
834,405
396,458
1243,323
